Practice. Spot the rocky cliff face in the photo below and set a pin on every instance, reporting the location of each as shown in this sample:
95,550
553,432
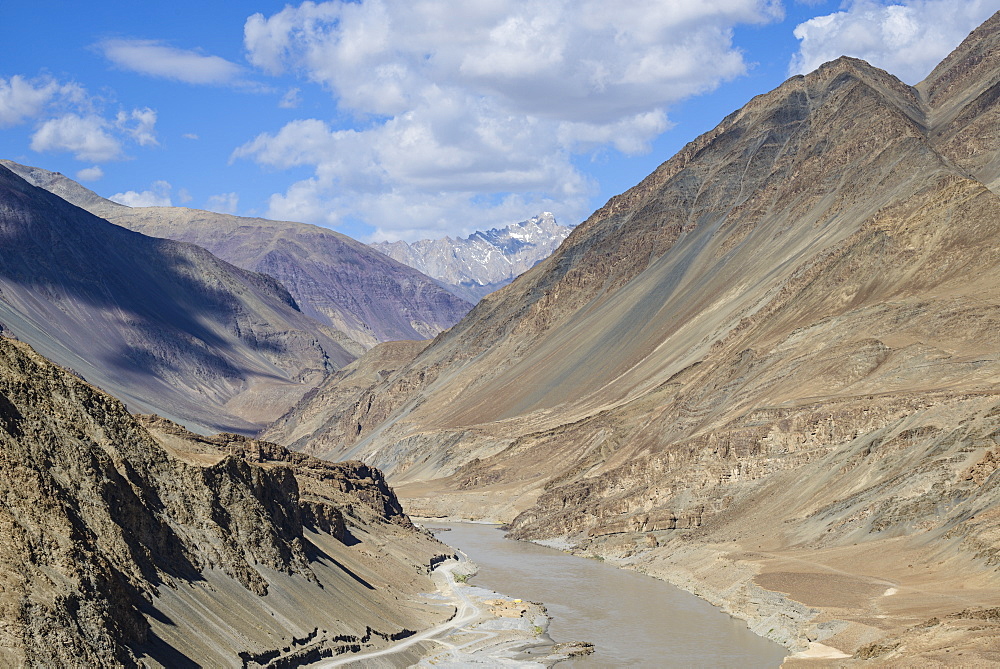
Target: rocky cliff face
164,325
775,356
127,545
483,262
334,279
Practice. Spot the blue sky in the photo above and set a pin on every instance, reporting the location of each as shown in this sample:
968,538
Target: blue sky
390,119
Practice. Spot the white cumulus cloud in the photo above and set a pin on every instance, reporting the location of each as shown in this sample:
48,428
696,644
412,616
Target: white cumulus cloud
93,138
21,99
224,203
907,38
68,119
479,108
94,173
158,195
138,124
156,59
88,138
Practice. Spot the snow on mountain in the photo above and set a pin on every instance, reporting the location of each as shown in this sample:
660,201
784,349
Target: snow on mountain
474,266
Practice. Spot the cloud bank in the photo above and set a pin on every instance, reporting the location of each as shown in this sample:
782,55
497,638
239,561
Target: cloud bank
158,195
68,119
476,111
156,59
88,138
907,38
21,99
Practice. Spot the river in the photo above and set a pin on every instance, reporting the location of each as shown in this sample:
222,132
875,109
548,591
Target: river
632,619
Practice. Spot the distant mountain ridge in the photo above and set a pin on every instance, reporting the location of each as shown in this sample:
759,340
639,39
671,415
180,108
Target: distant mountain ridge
164,325
485,261
336,280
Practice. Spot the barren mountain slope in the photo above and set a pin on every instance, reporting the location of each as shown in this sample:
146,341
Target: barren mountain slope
334,279
126,545
652,281
64,187
164,325
962,92
312,413
778,354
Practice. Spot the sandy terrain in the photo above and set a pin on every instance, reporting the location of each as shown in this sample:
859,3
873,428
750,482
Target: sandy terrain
887,603
893,602
487,628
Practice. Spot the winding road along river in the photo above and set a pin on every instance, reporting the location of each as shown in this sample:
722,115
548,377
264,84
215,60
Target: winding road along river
633,620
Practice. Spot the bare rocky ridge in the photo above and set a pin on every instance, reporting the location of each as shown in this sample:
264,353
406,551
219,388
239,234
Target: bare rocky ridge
164,325
127,544
64,187
334,279
767,373
475,266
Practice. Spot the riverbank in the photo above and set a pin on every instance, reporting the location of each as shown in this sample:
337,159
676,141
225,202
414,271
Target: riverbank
878,602
493,627
632,620
487,628
882,602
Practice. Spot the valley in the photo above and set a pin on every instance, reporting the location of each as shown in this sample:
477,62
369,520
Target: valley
586,599
788,327
768,374
335,280
166,326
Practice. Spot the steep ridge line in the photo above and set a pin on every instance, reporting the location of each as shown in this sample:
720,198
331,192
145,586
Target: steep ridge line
334,279
170,327
542,312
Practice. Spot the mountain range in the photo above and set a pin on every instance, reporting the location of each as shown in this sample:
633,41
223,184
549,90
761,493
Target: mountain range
768,372
163,325
334,279
474,266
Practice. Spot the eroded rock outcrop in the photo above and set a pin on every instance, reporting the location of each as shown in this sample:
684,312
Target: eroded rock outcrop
126,545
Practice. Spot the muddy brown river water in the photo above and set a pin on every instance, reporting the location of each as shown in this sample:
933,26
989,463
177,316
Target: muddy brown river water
633,620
